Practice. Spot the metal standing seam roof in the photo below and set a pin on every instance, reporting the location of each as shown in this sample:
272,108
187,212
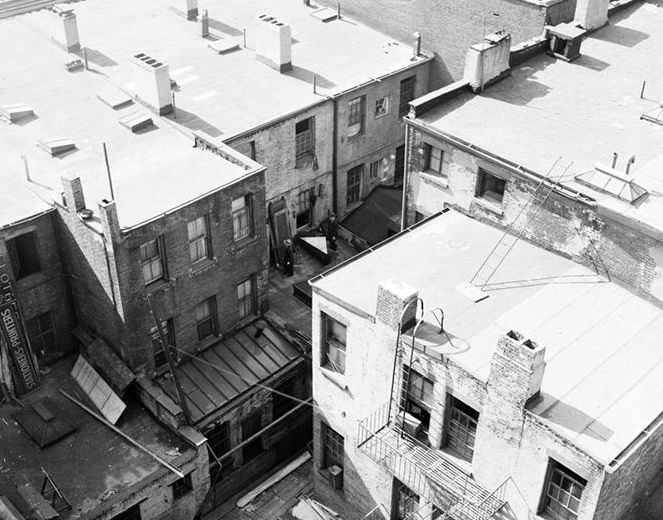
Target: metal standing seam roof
231,367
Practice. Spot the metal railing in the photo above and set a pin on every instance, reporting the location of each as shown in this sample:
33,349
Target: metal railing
425,471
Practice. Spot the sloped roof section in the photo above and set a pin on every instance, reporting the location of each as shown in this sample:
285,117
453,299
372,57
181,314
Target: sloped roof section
608,180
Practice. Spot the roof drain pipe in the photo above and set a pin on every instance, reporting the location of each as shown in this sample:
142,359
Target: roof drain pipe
335,156
405,177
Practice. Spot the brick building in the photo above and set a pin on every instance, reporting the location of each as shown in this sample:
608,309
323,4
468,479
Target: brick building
123,234
317,100
587,125
532,399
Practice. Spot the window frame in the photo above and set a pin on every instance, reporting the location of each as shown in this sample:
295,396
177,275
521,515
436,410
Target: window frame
254,448
212,318
483,178
159,258
304,141
242,230
429,154
460,426
22,259
384,101
576,481
218,437
246,304
353,189
417,402
37,337
374,169
339,345
333,447
303,216
405,96
204,238
357,115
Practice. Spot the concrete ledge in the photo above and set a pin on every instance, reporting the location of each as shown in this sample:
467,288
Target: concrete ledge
433,99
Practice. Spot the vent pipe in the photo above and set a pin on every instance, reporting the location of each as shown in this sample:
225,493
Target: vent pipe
614,159
416,47
630,161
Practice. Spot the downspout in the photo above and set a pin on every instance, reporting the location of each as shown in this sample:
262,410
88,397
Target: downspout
405,175
335,156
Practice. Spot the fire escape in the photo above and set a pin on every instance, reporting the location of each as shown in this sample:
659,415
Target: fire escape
386,438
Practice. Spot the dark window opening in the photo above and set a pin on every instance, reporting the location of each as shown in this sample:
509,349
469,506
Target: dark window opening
218,439
490,187
182,486
41,332
407,502
304,208
353,193
304,140
168,328
461,428
133,513
24,255
433,159
250,426
280,402
332,447
206,321
406,95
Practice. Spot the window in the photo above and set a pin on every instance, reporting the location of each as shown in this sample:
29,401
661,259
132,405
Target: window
245,299
41,333
462,428
23,255
356,115
218,439
252,150
182,486
304,132
282,404
250,426
408,501
199,243
381,107
334,336
206,318
242,217
563,492
406,95
490,187
168,328
433,159
373,170
332,447
152,261
133,513
354,183
418,397
304,207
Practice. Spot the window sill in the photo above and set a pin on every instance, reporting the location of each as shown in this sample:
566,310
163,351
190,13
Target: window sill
304,161
157,285
201,266
335,377
493,207
435,178
244,242
462,464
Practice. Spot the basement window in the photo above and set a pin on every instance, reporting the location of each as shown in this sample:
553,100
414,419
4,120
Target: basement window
23,255
218,440
490,187
564,490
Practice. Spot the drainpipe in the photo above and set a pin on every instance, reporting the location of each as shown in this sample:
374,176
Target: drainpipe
405,175
335,157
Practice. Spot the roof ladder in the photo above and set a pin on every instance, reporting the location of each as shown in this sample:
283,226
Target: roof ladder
515,230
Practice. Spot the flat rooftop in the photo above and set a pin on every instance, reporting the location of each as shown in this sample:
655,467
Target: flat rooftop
157,160
604,361
92,464
231,93
582,111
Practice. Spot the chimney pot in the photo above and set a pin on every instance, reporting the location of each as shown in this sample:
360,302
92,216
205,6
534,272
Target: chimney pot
416,48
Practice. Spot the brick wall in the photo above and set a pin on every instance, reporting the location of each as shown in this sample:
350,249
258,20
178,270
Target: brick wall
46,290
631,253
448,28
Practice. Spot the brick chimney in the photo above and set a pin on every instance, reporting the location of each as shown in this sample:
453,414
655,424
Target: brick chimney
67,31
591,14
393,296
73,192
152,83
109,221
273,43
488,62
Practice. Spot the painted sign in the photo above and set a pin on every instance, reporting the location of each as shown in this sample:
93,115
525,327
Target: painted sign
24,372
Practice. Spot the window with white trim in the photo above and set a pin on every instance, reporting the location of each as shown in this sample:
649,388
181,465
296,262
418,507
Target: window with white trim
563,494
334,335
199,239
152,260
381,107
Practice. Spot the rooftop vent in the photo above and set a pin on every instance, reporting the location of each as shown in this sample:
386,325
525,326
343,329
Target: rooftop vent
612,182
152,83
273,42
57,146
488,61
14,113
44,422
114,98
565,39
325,14
136,121
223,46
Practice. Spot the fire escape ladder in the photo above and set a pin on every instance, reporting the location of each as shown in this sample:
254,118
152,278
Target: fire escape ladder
515,230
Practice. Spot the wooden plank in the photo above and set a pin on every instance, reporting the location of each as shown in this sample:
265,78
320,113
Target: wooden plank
101,394
8,511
